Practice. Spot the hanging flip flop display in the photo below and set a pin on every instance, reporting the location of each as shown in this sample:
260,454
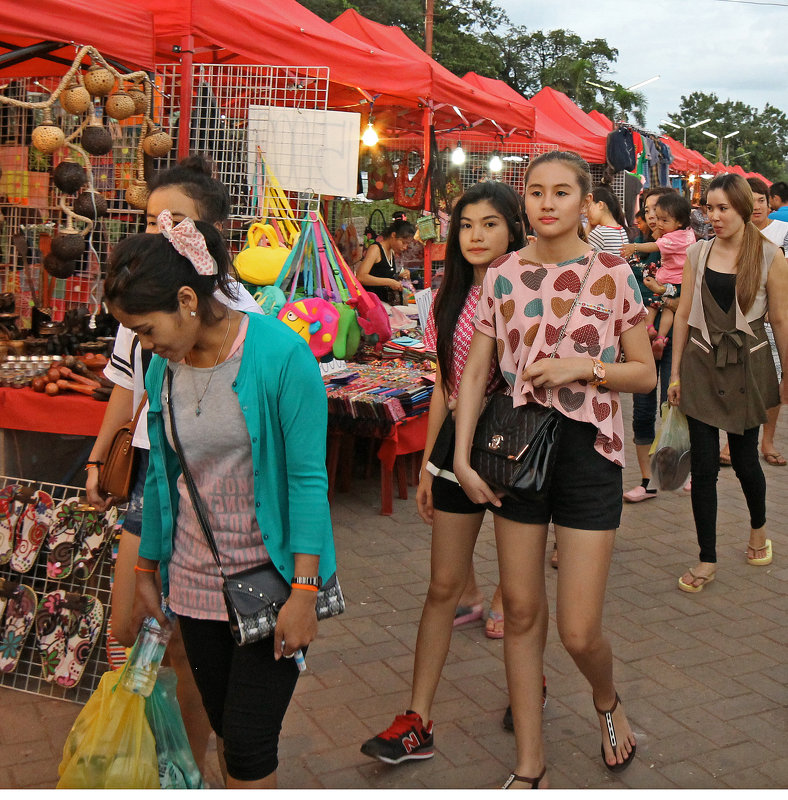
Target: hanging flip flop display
20,611
86,623
97,531
53,620
10,508
63,538
31,528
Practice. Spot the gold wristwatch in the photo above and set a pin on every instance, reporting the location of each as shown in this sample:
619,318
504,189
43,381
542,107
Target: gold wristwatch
599,374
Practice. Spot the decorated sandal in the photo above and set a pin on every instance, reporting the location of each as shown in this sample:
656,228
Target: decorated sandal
493,628
88,620
534,782
19,615
97,533
62,539
31,529
53,620
10,509
611,735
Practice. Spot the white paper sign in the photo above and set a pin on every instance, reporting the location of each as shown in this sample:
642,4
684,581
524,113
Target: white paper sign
307,150
423,303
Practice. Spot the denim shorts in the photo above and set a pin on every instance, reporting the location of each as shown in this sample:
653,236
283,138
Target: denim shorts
133,520
585,492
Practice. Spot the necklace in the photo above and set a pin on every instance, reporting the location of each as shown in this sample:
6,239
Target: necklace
386,256
197,409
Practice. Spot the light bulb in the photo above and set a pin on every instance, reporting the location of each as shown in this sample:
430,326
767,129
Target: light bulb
495,165
370,137
458,155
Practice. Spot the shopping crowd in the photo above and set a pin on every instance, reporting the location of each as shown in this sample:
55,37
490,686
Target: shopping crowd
549,306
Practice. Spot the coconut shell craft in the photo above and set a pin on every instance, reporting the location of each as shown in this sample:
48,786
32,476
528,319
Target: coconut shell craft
48,137
157,143
120,105
57,268
68,245
137,94
96,139
137,194
90,204
69,177
75,99
99,81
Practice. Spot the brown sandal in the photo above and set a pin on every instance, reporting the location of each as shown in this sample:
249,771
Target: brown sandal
533,781
611,735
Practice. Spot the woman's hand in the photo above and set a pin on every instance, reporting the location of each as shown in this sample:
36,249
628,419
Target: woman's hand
784,392
628,250
99,501
552,372
674,391
392,284
147,601
296,625
474,487
404,275
424,496
654,285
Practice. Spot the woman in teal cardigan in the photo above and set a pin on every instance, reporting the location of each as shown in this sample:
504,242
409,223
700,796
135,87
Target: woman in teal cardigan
250,410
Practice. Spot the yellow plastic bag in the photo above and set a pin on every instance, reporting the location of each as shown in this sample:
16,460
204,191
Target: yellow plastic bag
110,745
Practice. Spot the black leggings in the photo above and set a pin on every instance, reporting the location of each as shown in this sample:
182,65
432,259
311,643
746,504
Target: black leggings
705,459
244,691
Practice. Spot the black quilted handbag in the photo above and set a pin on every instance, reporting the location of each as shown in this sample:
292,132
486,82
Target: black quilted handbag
514,449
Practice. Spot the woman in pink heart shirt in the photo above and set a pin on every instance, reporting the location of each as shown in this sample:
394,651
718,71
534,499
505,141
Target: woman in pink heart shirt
559,317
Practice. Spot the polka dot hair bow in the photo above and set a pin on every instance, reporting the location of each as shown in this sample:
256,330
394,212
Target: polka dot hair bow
188,241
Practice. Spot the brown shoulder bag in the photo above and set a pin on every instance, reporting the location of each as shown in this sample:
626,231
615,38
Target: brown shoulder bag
118,469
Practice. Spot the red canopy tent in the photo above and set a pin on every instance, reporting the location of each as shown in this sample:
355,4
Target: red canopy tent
599,117
760,177
569,115
738,170
546,129
122,32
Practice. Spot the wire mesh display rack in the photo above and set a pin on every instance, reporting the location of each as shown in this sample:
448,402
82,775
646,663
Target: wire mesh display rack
28,675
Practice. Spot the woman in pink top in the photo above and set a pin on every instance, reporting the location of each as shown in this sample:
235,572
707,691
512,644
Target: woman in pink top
524,305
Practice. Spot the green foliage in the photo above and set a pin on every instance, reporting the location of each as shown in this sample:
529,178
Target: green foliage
760,146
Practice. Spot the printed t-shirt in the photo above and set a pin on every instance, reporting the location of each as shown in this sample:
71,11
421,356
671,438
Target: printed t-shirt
673,253
524,306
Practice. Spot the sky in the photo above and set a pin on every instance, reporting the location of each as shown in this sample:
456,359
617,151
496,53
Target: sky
735,50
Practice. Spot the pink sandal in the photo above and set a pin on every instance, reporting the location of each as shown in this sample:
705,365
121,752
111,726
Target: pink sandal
491,629
658,346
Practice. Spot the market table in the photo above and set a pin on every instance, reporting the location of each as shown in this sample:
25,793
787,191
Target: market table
26,410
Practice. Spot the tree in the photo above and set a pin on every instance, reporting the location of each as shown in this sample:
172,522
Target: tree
761,144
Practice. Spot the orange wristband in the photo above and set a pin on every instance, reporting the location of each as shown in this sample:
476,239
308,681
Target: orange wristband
137,568
304,586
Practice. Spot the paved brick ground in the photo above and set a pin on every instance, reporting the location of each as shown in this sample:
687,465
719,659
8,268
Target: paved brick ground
704,677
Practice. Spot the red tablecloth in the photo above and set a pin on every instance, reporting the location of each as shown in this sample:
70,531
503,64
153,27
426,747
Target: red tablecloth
408,436
26,410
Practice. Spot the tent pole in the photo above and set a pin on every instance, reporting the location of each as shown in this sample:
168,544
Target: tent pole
187,86
427,193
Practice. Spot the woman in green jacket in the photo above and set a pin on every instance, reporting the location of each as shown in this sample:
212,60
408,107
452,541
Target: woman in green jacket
250,411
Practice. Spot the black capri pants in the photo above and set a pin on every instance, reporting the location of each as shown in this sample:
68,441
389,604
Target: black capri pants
245,693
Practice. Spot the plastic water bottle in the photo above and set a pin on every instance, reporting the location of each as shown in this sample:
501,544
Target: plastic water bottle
146,655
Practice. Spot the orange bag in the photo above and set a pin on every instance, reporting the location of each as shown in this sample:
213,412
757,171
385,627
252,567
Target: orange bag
409,192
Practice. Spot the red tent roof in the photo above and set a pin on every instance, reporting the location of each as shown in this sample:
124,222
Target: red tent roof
123,32
738,170
760,177
445,89
599,117
546,130
568,115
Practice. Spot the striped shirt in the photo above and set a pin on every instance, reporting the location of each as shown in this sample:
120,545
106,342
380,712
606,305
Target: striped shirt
608,239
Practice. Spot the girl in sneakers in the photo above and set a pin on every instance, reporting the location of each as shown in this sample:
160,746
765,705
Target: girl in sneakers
486,223
525,303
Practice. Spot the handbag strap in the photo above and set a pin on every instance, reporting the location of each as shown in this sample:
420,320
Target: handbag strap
143,400
199,508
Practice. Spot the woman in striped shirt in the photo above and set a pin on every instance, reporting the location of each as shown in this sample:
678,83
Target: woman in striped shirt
608,225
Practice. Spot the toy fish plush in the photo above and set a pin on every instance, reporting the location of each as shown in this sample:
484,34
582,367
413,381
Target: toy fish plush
313,319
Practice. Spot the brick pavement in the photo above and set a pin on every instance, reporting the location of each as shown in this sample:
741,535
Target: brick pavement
703,677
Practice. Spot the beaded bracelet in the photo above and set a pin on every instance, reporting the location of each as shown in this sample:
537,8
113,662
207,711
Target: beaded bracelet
96,464
304,586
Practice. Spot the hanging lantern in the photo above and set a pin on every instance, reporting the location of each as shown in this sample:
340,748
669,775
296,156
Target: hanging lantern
157,143
99,81
48,137
69,176
120,105
75,99
137,194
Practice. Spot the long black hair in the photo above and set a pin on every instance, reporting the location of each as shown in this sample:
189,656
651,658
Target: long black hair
458,273
145,273
604,194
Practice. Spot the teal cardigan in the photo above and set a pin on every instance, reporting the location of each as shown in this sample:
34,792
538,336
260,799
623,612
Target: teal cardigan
283,401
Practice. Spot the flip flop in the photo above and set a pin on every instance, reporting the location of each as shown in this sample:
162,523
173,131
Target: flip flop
492,631
31,529
19,615
10,509
85,631
61,542
774,459
763,561
53,619
611,735
688,587
465,614
725,460
97,533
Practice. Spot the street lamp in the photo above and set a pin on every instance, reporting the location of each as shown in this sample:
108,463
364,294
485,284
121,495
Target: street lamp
632,88
685,128
719,143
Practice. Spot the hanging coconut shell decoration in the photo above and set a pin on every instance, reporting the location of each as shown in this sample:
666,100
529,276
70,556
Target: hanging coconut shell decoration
68,244
137,94
75,99
157,143
48,137
137,194
69,176
57,268
90,204
120,105
96,139
99,81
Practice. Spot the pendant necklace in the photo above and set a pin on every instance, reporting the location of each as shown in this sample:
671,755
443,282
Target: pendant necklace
197,409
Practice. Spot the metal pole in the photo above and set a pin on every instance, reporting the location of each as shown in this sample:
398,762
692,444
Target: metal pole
187,85
428,27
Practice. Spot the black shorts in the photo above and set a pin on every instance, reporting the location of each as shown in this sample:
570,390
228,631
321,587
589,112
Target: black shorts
447,496
586,489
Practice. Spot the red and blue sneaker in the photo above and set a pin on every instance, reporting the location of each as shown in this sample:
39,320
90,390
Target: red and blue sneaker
405,739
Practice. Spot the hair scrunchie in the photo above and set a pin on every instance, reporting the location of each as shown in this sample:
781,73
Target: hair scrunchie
188,241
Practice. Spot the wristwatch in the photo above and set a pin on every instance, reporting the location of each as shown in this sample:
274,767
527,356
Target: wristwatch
313,580
599,374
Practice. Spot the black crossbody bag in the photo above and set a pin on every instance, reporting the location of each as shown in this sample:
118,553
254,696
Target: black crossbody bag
253,597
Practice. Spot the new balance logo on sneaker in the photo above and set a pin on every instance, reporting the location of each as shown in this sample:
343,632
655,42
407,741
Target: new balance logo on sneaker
405,739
